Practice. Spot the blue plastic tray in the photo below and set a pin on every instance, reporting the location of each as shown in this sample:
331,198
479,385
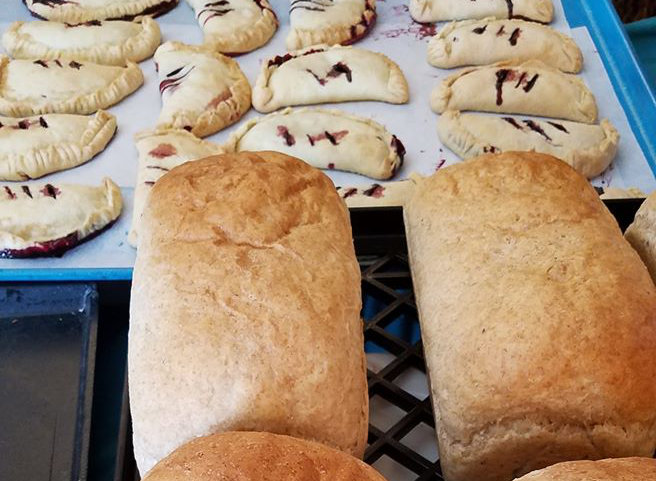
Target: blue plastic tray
616,51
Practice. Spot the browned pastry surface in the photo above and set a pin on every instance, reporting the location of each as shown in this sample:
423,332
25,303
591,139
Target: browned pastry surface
627,469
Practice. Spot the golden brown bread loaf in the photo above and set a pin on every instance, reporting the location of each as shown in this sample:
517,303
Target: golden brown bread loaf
251,456
245,309
642,234
538,319
626,469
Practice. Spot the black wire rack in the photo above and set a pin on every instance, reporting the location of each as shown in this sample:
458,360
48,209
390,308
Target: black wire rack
402,444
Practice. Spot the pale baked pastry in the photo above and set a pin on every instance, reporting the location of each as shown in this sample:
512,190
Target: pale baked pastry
642,234
78,11
253,456
327,139
235,26
329,22
245,309
530,88
439,10
45,220
104,42
588,148
35,146
390,194
482,42
160,151
31,87
622,469
538,319
202,91
322,74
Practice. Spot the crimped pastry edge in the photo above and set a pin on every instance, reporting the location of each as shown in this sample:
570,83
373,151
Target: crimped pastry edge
439,49
126,83
397,86
588,162
390,164
245,41
134,49
54,158
226,113
441,94
299,38
99,219
76,14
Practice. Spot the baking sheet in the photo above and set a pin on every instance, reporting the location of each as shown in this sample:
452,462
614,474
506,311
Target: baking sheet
395,34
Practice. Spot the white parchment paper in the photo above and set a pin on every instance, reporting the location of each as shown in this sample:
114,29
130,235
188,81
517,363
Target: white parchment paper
395,35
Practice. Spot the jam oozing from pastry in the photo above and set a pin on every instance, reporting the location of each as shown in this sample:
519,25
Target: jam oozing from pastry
278,60
24,124
513,122
511,8
26,190
75,65
331,165
490,149
536,128
58,63
50,190
501,31
333,137
162,151
90,23
376,191
284,133
398,147
558,126
10,193
367,21
43,63
515,36
349,192
335,71
480,30
214,9
43,123
507,75
216,101
311,5
174,79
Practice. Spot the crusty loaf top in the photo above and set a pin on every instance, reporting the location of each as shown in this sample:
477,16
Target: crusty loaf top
250,456
538,308
627,469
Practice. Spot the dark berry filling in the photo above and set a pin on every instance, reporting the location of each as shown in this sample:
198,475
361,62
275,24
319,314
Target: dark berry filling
26,191
376,191
349,193
490,149
501,31
515,36
214,10
43,123
90,23
560,127
10,193
42,63
513,122
75,65
480,30
50,190
536,128
284,133
335,71
278,60
333,138
172,82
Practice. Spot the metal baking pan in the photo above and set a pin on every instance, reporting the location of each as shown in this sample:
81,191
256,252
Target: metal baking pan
402,443
47,352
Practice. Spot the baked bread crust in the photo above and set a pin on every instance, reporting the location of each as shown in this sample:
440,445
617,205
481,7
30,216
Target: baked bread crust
25,83
626,469
589,149
77,12
40,220
321,74
251,456
124,41
325,139
641,234
35,146
230,28
160,151
482,42
341,22
439,10
245,308
538,319
529,88
210,91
